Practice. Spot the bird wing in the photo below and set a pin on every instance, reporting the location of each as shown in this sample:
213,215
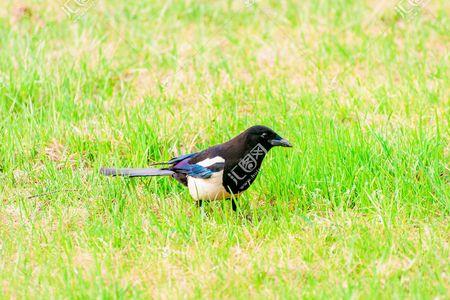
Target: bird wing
176,160
198,171
180,158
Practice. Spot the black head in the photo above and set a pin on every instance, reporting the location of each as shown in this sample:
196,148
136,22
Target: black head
265,136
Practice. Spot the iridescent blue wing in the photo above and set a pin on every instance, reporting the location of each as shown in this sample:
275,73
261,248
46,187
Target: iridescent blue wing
180,158
198,171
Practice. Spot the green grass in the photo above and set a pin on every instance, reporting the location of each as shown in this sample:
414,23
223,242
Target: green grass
359,208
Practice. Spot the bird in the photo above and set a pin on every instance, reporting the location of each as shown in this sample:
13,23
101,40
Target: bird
220,172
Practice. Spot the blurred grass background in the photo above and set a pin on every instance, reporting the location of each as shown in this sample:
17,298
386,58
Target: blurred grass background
358,208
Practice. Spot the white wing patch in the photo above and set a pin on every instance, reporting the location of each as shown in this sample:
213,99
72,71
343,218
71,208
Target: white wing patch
210,188
210,161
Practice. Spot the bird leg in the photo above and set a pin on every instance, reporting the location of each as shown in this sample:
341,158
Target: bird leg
234,205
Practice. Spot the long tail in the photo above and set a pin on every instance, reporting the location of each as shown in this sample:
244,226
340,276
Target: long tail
135,172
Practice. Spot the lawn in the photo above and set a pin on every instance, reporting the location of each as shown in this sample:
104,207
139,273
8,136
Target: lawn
358,208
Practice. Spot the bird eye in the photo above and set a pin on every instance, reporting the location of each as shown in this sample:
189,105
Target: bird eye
264,135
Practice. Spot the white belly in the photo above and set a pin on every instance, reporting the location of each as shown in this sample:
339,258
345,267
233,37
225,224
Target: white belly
207,189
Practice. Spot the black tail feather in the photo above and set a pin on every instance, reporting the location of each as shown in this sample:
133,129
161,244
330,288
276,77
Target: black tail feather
135,172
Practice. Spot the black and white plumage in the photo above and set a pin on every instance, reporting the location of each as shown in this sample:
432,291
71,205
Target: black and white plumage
219,172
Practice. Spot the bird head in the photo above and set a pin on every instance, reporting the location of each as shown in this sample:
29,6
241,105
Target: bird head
265,136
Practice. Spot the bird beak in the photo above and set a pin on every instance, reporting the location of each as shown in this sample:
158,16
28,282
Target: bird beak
279,141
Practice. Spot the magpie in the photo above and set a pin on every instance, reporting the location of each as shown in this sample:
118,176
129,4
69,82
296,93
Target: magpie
222,171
